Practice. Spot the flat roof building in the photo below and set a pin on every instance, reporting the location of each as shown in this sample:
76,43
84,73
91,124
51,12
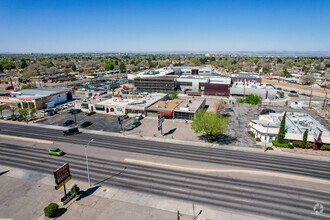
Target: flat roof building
244,78
263,91
140,105
37,98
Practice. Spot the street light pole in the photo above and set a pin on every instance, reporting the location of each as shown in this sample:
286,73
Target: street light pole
89,180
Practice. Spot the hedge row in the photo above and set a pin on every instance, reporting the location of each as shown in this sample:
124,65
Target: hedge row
275,143
251,134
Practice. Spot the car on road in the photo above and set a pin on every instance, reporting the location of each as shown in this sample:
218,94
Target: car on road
68,122
136,124
71,131
266,111
55,151
125,116
86,124
90,113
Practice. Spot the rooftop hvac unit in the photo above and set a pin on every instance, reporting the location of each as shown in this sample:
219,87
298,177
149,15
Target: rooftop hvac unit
158,106
186,105
189,101
164,106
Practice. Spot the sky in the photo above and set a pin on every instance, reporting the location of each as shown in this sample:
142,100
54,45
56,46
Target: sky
68,26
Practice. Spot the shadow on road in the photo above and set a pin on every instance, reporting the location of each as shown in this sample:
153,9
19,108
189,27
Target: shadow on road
170,131
4,172
111,177
221,139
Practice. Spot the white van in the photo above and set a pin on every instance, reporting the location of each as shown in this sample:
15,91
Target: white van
139,116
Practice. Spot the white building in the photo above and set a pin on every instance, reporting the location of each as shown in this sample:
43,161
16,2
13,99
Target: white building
246,88
194,70
267,126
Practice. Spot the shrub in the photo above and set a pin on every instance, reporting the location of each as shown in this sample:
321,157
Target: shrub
258,139
263,112
240,100
309,145
269,148
281,94
251,134
51,210
253,99
325,147
296,144
74,189
275,143
290,146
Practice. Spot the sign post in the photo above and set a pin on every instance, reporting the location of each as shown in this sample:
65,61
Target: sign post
62,175
160,122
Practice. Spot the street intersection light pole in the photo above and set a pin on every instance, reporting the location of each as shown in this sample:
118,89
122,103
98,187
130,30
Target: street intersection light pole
89,180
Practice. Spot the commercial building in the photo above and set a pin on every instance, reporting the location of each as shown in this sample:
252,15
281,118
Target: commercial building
263,91
155,84
207,84
36,98
177,108
140,105
245,78
195,70
113,106
267,126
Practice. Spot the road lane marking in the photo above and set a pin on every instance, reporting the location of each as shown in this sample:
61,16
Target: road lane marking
255,172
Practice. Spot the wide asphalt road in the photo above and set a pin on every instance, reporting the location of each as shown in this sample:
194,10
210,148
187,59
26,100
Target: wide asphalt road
236,195
261,161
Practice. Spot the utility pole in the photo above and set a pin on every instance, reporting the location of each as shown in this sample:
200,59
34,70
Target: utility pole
310,98
325,101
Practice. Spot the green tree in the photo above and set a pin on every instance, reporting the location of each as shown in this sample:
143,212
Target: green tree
23,63
304,141
210,123
122,67
29,86
1,68
73,67
281,131
109,66
32,112
281,94
23,112
173,95
253,99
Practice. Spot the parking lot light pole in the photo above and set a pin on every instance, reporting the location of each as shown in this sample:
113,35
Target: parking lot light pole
89,180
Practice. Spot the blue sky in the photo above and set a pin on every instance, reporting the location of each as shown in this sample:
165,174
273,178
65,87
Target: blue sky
156,25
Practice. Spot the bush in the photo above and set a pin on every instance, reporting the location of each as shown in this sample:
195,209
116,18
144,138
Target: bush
296,144
258,139
281,94
291,146
251,134
74,190
253,99
325,147
269,148
309,145
51,210
263,112
275,143
240,100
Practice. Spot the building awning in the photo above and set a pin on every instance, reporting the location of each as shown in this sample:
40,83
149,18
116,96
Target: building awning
84,105
17,103
165,113
99,106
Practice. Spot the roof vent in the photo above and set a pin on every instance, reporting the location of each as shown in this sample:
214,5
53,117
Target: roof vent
164,106
186,105
158,106
189,101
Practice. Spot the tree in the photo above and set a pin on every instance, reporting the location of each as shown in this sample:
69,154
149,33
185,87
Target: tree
219,106
23,112
304,142
23,63
109,66
13,109
1,68
307,79
173,95
3,107
32,112
281,94
73,67
253,99
281,131
210,123
122,67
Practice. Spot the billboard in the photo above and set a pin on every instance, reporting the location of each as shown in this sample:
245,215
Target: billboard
62,175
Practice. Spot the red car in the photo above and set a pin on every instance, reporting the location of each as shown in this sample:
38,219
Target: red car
73,88
9,87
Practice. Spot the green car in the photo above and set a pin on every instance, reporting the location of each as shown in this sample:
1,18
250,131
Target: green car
55,151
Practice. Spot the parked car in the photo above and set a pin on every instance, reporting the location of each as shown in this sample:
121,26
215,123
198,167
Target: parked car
71,131
90,113
139,116
68,122
9,87
86,124
125,116
55,151
267,111
228,109
136,124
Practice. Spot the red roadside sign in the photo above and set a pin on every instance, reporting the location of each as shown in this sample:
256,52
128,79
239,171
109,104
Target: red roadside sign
62,175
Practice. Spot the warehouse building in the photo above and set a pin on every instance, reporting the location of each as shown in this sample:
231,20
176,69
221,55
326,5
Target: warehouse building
263,91
36,98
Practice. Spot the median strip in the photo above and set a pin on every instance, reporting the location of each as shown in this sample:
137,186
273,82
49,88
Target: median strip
26,139
255,172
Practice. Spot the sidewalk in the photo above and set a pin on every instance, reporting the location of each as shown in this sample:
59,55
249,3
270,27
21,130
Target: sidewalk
26,194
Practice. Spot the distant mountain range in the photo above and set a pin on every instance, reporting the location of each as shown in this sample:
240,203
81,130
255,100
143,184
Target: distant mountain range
232,53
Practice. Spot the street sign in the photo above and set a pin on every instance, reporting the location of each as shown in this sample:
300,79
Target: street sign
62,183
61,175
